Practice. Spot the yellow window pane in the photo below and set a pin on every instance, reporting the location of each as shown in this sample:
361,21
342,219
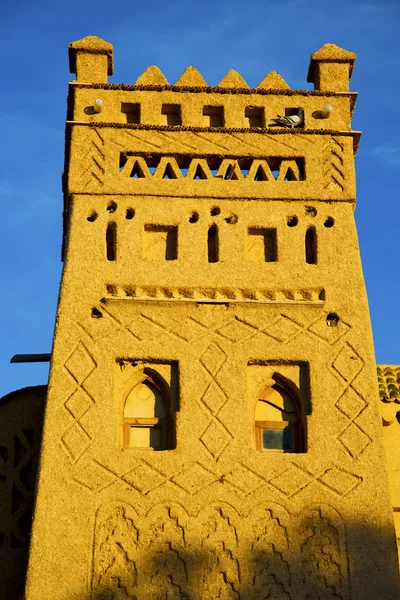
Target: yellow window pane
267,412
145,401
275,404
139,437
144,437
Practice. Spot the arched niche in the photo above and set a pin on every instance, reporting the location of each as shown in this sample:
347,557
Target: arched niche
278,418
147,417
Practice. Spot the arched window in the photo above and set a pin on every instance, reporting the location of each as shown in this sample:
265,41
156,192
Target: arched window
147,417
278,420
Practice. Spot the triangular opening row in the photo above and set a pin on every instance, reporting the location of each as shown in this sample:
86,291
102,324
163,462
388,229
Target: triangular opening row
192,78
212,167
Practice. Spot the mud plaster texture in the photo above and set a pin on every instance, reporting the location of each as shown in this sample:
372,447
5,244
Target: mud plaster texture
212,259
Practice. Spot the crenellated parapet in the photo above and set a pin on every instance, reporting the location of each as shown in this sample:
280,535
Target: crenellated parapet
190,102
330,70
190,138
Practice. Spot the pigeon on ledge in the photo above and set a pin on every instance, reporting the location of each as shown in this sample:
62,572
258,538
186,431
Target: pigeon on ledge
292,120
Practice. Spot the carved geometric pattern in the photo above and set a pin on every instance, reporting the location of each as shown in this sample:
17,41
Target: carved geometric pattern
333,170
148,327
213,359
101,327
324,557
214,398
218,553
348,363
75,441
94,476
350,403
339,481
185,330
354,439
169,325
283,329
212,320
145,328
219,542
167,542
289,171
216,437
291,481
80,365
237,331
346,366
329,334
211,167
243,480
233,329
93,175
115,551
172,144
195,294
270,553
194,478
78,403
144,478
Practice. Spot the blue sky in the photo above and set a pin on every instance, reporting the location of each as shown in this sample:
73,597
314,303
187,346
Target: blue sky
215,36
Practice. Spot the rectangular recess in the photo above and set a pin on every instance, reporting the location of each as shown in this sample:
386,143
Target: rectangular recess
132,111
160,242
171,114
255,116
213,116
261,245
289,112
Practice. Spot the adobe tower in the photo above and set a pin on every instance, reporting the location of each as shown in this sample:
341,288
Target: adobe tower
212,427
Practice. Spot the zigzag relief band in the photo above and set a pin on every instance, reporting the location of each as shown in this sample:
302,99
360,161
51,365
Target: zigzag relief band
224,295
212,167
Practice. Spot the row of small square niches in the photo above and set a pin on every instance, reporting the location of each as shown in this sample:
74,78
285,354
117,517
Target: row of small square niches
214,116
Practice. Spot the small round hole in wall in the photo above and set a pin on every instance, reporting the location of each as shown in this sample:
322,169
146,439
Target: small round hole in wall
292,221
130,213
232,220
329,222
194,217
92,217
332,320
112,207
215,211
310,210
96,314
